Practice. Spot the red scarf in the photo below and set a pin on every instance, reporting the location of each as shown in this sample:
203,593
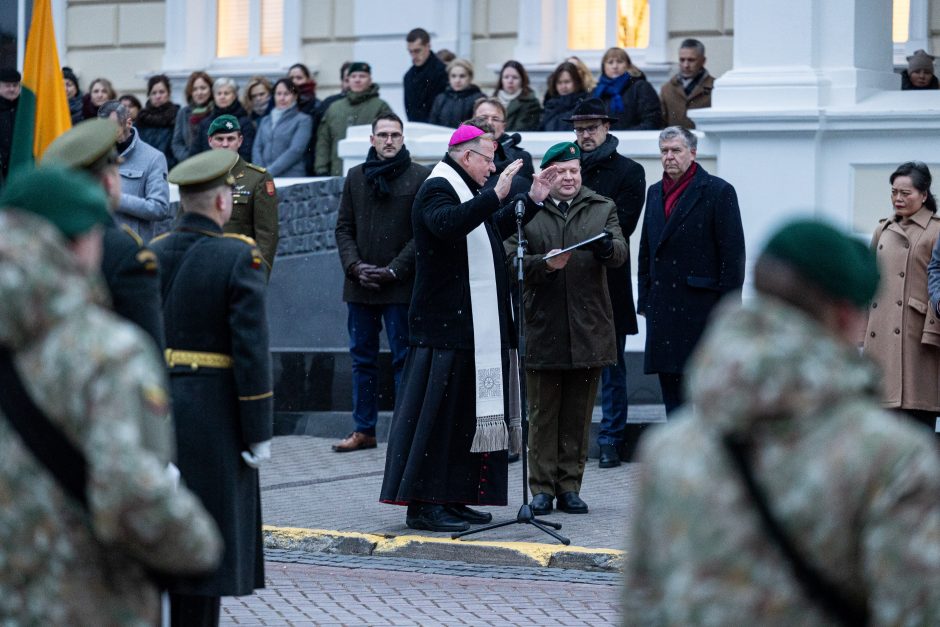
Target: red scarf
672,190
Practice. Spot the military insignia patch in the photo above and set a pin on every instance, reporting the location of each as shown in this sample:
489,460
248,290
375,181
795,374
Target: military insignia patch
148,260
256,260
269,187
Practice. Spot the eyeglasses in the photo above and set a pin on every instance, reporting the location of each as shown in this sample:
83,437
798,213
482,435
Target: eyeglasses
586,130
488,159
386,136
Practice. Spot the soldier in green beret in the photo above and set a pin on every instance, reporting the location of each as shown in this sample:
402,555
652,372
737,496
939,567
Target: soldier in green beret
91,510
783,493
570,335
129,268
254,196
220,375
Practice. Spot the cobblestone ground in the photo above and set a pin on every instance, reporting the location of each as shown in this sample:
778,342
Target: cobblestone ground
312,589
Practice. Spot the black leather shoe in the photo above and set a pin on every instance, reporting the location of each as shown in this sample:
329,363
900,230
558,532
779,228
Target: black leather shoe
430,517
609,457
571,503
472,516
541,504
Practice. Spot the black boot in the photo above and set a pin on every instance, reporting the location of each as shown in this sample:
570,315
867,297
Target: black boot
433,517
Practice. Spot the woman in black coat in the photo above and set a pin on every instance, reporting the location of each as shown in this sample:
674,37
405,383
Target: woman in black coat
156,121
628,95
565,91
455,105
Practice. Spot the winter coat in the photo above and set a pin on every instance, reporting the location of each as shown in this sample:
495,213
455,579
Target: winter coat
641,108
440,315
145,193
622,180
903,335
7,119
201,140
214,287
157,130
422,84
185,134
453,107
352,109
557,109
378,231
523,113
102,383
853,487
568,317
280,149
675,103
686,265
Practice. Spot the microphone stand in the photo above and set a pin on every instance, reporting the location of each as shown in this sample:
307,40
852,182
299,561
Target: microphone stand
525,515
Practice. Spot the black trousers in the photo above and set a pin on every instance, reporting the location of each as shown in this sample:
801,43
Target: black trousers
194,611
671,385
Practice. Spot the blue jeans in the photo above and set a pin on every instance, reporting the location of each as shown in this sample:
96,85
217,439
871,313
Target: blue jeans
614,399
365,324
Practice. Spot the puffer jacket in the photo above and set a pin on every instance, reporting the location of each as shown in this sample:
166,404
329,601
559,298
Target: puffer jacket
557,109
453,107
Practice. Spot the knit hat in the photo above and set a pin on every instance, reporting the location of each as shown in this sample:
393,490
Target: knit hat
565,151
359,66
69,199
837,263
224,124
69,75
920,60
10,75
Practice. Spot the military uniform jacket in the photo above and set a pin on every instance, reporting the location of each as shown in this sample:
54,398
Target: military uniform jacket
254,209
132,274
213,287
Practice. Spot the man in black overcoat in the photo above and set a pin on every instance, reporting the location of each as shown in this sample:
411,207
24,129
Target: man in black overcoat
129,268
220,374
623,180
425,79
691,255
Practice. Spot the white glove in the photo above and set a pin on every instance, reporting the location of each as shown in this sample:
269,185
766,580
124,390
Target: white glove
173,473
260,452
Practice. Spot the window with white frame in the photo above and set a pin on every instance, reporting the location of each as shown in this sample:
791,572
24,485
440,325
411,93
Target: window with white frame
909,28
588,27
249,28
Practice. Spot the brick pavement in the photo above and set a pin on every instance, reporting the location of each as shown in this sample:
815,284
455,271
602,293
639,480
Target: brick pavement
325,594
308,485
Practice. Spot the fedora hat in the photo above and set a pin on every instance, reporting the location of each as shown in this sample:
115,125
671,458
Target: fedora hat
590,109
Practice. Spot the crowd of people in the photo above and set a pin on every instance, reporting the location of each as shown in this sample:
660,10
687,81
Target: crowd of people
771,407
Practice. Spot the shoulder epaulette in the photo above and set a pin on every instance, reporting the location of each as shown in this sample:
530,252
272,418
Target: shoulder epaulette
243,238
160,237
256,167
133,233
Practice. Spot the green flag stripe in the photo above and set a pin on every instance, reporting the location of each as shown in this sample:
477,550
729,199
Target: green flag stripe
21,151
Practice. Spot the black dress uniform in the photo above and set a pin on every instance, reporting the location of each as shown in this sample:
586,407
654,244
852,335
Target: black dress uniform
213,289
132,275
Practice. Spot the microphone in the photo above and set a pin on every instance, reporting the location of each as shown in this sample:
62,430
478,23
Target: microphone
520,208
508,141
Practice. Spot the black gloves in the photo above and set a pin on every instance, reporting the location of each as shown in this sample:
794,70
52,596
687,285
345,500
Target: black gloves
603,248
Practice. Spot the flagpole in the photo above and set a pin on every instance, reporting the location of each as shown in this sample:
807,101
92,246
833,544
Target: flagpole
20,33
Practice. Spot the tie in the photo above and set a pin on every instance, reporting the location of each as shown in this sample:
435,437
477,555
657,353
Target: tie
563,207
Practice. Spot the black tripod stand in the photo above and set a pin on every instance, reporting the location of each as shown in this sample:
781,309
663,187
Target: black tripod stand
525,515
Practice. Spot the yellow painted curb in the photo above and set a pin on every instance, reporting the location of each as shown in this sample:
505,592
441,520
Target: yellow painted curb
537,553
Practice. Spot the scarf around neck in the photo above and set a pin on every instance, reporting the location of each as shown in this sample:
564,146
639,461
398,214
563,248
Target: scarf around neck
163,116
612,88
379,172
506,98
672,190
590,160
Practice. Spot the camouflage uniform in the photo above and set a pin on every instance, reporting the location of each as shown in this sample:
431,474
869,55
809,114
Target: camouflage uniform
254,208
101,381
854,487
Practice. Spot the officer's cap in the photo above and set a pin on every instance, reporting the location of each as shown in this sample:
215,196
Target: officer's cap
69,199
224,124
204,171
840,265
90,145
565,151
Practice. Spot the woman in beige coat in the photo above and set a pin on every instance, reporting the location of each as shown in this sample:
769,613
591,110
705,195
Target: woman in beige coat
903,334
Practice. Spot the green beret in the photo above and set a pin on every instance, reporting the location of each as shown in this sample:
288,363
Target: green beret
360,66
69,199
840,265
204,171
89,145
224,124
565,151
